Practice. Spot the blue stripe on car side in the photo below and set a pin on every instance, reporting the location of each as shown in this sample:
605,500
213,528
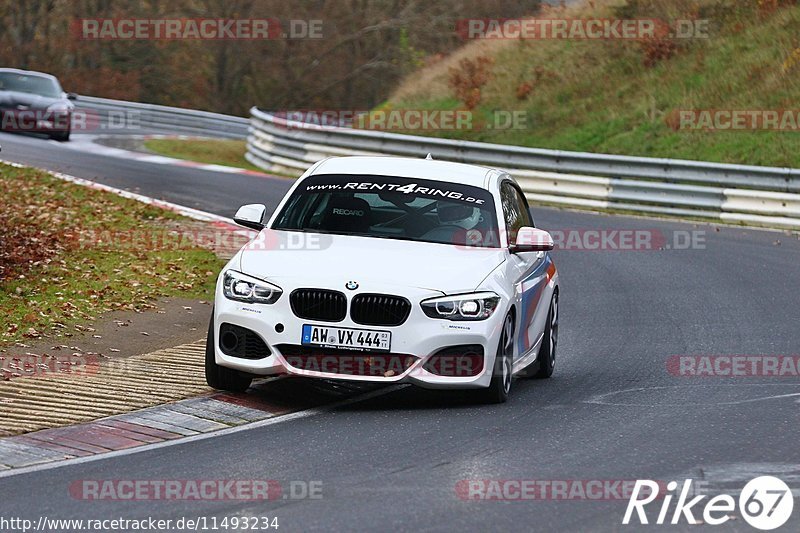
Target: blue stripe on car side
532,288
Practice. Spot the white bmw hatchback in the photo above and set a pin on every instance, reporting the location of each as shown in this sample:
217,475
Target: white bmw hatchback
389,270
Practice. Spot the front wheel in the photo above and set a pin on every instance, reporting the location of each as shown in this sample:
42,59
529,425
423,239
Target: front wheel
220,377
547,353
500,385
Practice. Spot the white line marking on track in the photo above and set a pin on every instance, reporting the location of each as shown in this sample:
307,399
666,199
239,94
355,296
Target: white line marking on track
159,159
601,398
88,143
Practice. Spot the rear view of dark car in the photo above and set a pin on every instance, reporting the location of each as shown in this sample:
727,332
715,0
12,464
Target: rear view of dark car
34,102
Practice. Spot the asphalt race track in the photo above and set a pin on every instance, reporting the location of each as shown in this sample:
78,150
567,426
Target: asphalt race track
186,186
612,411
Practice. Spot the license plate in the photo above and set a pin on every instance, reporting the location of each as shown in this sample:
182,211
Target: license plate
347,338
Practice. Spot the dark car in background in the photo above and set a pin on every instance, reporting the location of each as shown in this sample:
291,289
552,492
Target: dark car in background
35,102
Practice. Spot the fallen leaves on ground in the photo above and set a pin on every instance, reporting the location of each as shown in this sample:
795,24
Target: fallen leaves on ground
69,253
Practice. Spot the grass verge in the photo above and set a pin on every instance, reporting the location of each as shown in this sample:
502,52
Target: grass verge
623,97
68,253
229,153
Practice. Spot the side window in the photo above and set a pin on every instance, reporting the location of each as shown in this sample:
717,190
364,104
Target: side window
523,208
515,210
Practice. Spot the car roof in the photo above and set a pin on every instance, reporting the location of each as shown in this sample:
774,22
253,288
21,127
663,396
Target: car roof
409,167
28,73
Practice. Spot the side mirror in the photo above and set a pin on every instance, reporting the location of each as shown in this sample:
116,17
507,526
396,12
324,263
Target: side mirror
531,240
72,96
251,216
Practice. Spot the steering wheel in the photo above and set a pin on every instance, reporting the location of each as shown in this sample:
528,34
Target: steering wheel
414,211
445,231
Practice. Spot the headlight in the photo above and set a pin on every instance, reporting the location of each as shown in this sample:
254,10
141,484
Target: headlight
478,306
244,288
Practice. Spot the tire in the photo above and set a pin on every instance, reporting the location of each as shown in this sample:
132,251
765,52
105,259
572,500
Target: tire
61,136
500,385
220,377
547,353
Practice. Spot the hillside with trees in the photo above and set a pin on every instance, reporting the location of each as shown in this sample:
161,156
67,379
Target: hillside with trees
367,47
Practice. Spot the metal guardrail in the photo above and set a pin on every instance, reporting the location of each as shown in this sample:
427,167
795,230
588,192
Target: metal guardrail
118,115
765,196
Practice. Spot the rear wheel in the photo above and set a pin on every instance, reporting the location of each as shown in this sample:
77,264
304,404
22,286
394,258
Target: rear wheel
547,353
61,136
500,385
220,377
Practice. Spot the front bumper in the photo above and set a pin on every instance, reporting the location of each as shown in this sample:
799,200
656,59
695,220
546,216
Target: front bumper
419,337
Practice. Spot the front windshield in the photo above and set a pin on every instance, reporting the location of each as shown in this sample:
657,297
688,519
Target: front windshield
393,208
24,83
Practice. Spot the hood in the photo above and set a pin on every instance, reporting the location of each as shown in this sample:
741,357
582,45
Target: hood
329,261
11,99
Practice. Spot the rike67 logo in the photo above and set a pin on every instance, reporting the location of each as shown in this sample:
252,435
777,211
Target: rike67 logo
765,503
